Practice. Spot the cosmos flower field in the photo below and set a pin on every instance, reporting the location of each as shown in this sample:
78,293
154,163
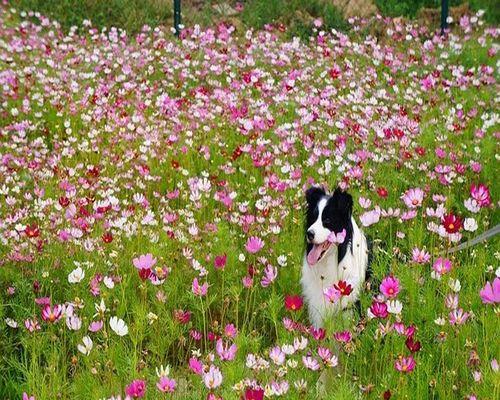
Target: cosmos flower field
152,206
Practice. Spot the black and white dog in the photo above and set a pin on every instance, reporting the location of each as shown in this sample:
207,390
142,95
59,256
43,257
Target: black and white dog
326,263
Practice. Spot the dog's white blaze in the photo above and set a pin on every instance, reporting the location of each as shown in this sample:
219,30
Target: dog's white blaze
320,232
327,272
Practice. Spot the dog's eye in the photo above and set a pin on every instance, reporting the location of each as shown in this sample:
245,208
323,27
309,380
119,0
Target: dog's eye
327,220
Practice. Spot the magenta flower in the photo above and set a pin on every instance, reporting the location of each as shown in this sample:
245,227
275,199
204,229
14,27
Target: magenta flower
379,309
481,194
52,314
405,364
343,336
220,261
166,384
136,389
390,287
254,244
490,293
196,366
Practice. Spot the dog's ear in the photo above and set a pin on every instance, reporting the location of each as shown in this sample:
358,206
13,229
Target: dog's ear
342,202
313,194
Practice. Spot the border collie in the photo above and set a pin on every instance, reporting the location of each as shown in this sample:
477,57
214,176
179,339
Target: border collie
326,262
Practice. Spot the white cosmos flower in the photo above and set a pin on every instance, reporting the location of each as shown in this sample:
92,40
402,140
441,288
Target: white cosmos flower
87,345
470,224
76,275
118,326
394,306
74,323
108,282
440,321
454,285
10,322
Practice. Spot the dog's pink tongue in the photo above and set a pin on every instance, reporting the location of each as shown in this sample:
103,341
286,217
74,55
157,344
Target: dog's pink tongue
314,254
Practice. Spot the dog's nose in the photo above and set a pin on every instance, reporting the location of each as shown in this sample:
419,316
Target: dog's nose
310,234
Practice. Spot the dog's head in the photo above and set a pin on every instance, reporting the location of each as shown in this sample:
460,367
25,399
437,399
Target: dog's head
327,213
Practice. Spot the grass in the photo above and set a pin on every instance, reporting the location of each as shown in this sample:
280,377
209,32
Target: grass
71,103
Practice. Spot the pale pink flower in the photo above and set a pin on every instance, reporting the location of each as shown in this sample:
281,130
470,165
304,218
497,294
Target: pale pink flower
413,197
254,244
212,378
225,351
197,289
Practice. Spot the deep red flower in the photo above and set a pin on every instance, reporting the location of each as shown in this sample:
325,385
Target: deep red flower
32,231
182,316
293,302
318,334
107,237
387,395
382,192
254,394
413,345
451,222
343,287
63,201
144,273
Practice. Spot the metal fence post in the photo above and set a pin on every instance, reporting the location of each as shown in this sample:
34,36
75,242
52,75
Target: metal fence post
177,16
444,15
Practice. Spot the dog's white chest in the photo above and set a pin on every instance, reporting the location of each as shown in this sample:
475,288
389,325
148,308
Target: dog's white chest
315,280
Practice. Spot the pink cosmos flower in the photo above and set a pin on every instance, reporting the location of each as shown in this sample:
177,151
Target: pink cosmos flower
144,265
96,326
254,244
52,314
225,352
442,266
230,331
405,364
26,396
310,363
458,317
490,293
413,197
145,261
337,238
420,256
199,290
390,287
331,294
270,274
136,389
343,336
370,217
166,384
481,194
